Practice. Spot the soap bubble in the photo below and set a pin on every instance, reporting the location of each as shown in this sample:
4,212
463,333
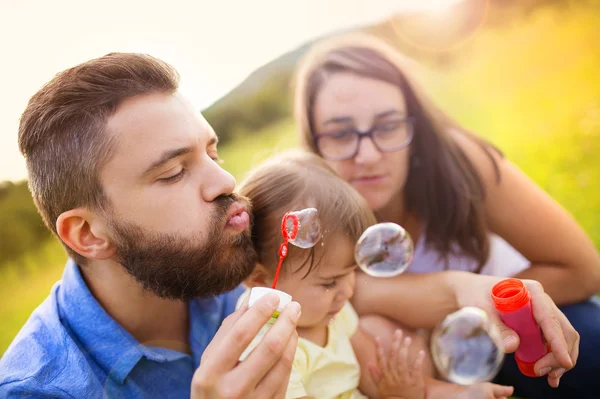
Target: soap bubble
384,250
466,347
308,230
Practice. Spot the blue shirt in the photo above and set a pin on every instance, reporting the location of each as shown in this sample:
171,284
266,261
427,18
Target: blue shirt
71,348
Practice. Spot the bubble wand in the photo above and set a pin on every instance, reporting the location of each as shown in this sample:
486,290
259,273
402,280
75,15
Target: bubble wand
288,235
302,229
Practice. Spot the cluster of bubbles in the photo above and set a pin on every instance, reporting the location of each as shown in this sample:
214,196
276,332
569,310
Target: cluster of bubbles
466,347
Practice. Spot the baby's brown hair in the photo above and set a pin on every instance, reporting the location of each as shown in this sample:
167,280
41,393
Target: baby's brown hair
294,180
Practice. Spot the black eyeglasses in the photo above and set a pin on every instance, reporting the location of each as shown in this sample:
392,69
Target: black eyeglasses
342,144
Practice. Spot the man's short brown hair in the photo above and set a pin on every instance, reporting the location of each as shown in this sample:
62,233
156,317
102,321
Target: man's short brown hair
62,132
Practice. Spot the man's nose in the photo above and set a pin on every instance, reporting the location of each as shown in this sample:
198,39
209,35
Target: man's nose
217,182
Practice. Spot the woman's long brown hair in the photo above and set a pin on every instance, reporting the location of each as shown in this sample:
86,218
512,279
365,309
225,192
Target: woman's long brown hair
443,190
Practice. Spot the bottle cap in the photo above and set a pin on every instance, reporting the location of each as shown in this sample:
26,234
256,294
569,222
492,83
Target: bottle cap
258,292
510,295
526,368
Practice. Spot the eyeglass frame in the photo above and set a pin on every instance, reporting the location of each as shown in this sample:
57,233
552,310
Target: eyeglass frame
368,133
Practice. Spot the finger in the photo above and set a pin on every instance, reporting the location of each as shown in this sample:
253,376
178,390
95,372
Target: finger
375,372
502,390
573,339
395,361
379,353
416,372
545,312
510,339
232,318
549,364
275,383
571,335
546,364
270,350
553,382
556,374
382,361
402,365
238,336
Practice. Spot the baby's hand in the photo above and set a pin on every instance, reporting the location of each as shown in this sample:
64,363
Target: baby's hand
486,390
396,379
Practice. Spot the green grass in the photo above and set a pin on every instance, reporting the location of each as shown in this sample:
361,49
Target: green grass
248,150
25,284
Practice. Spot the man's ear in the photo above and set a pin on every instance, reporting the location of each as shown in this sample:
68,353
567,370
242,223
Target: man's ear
85,233
260,277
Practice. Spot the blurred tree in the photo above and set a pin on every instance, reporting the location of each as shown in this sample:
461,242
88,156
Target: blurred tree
21,226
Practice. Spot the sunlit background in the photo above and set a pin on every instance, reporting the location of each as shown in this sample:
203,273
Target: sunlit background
523,74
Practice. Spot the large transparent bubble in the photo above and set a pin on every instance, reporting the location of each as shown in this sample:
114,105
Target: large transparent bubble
384,250
466,347
303,227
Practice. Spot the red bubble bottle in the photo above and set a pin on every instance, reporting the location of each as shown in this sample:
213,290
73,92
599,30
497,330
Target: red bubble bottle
513,301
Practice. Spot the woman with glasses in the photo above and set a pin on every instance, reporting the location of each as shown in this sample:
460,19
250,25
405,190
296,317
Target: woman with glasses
465,205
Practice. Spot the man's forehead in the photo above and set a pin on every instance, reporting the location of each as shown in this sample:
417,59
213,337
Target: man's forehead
144,127
157,118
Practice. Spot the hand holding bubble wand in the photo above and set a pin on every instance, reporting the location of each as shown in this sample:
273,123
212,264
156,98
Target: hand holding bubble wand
302,229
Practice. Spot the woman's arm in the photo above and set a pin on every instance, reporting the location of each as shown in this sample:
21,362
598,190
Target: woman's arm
404,298
562,256
424,300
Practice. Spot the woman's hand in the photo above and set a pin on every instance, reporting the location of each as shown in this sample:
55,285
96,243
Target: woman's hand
475,290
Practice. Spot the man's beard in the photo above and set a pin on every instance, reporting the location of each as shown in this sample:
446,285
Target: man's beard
178,267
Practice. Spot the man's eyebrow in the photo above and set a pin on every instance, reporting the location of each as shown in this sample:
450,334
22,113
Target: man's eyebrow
166,157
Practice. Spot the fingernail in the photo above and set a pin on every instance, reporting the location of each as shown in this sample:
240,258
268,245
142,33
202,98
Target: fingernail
295,307
509,340
273,300
544,371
